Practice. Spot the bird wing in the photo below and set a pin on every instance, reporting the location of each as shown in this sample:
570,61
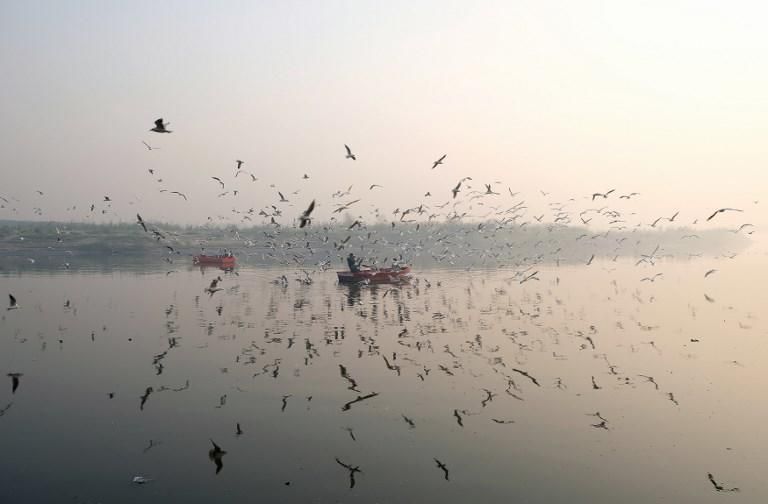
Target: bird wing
713,214
310,208
349,151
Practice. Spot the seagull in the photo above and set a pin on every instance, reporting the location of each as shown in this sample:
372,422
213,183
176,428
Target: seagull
14,381
352,470
604,195
216,454
721,210
282,198
709,272
720,488
374,185
349,153
439,161
12,304
455,190
141,222
239,163
742,227
149,147
217,179
304,218
443,467
180,194
160,126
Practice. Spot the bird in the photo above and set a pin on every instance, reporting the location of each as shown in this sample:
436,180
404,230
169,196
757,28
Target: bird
459,420
216,454
352,470
14,381
720,488
141,222
304,218
217,179
149,147
439,161
455,190
603,195
12,303
239,431
282,198
160,126
145,397
742,227
180,194
721,210
349,153
239,163
442,467
709,272
374,185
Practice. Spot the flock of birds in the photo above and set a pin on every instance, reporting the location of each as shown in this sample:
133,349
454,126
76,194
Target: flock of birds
297,245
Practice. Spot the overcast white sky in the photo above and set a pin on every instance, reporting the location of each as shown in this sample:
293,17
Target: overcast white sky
664,98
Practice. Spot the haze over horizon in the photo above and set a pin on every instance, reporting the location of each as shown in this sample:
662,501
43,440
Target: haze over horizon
661,98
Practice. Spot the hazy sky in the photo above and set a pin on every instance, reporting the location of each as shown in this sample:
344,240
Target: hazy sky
664,98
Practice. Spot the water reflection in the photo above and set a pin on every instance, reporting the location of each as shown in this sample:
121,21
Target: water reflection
462,386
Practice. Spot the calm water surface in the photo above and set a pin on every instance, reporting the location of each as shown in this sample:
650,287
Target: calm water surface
282,361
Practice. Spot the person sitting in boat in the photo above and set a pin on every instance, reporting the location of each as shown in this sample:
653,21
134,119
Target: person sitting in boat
353,263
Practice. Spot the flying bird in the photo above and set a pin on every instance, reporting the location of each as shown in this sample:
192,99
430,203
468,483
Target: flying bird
141,222
455,190
304,218
603,195
352,470
439,161
12,304
14,381
349,153
217,179
149,147
216,454
721,210
442,467
720,488
160,126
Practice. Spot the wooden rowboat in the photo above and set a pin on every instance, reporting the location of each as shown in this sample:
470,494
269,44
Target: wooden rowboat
376,275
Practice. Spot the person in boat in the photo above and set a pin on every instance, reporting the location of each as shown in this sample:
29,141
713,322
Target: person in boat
353,263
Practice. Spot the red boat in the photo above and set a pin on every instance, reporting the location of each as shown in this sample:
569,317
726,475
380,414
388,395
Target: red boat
223,261
376,275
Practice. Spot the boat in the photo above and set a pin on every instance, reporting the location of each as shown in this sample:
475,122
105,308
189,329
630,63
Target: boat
223,261
376,275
